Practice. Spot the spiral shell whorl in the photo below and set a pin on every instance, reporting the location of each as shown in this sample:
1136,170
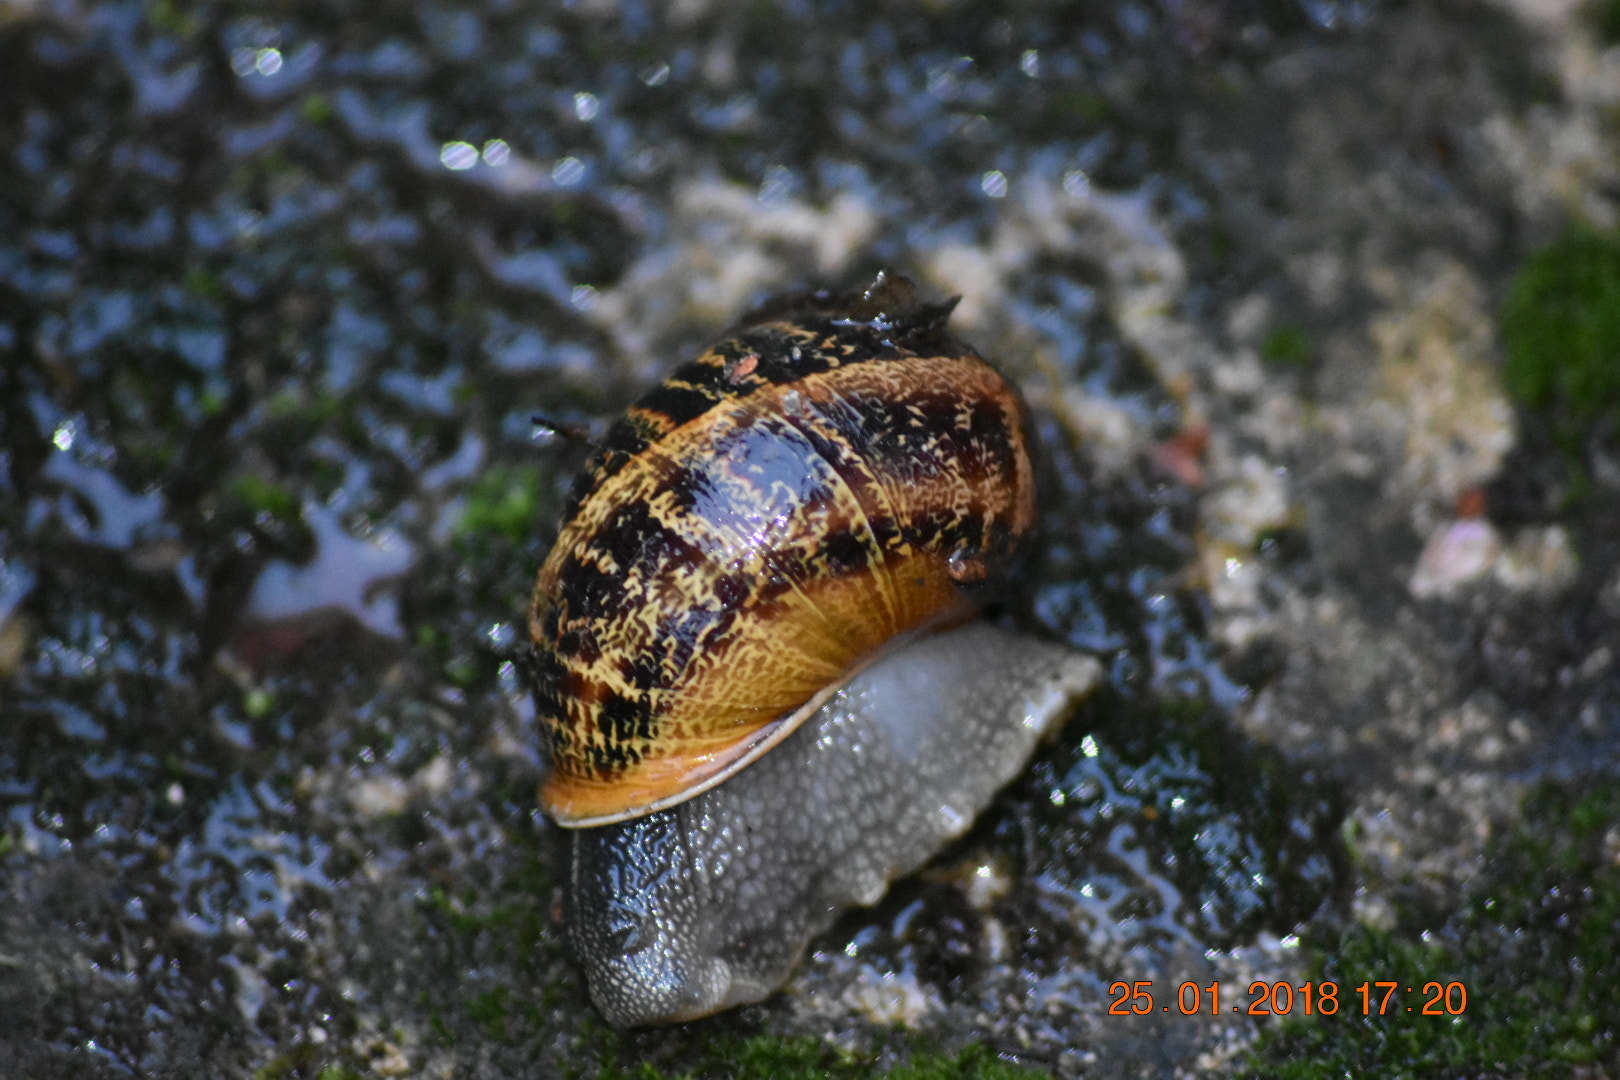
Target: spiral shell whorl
754,530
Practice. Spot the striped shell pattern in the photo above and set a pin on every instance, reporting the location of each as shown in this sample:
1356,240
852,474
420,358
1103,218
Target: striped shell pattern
832,477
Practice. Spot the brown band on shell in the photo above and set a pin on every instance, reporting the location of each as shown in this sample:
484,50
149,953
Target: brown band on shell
758,540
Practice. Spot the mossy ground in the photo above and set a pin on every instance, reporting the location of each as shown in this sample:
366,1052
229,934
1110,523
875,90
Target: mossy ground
1561,336
1288,346
1537,948
764,1057
1605,19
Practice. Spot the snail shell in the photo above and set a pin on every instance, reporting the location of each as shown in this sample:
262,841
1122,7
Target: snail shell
757,528
774,549
695,909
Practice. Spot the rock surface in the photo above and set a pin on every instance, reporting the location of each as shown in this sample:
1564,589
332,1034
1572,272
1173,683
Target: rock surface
283,287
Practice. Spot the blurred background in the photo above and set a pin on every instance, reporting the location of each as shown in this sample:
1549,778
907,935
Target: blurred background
1317,307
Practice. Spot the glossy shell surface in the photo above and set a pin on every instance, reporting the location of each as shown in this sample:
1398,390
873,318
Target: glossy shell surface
810,491
709,904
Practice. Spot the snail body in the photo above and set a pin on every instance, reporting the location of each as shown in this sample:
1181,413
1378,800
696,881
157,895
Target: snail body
762,693
709,904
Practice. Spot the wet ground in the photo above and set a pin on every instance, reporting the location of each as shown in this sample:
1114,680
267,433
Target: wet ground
282,287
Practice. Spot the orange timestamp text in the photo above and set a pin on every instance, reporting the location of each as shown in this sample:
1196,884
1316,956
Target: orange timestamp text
1283,999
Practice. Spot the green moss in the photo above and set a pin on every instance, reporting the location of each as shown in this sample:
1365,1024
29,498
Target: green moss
765,1057
173,18
1605,18
1288,346
1537,949
1221,242
1084,107
515,921
316,108
501,932
298,1061
504,501
765,12
490,1010
1561,331
467,671
262,496
200,282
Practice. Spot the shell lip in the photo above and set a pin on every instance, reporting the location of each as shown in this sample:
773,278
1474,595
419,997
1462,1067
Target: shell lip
733,759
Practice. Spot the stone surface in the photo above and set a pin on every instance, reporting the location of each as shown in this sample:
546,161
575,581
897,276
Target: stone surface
282,291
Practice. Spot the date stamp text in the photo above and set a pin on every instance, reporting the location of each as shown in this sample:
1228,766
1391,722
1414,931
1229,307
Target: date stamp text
1285,999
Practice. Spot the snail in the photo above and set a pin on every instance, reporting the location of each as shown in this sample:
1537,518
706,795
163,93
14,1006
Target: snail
757,665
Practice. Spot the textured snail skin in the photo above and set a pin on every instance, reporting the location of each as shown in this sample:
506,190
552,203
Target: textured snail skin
709,904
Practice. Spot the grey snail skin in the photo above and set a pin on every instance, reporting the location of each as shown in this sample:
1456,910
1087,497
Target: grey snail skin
757,670
709,904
